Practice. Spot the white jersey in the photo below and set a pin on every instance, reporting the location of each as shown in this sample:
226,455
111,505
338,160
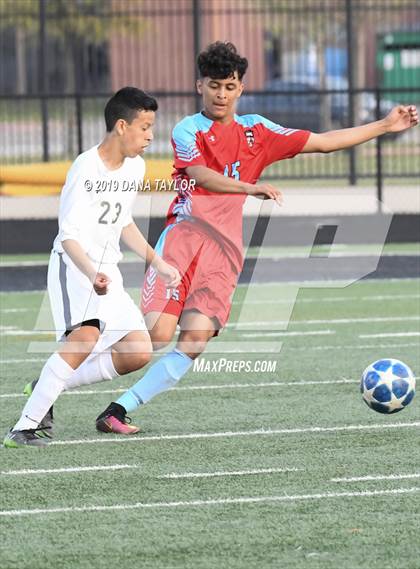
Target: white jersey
96,204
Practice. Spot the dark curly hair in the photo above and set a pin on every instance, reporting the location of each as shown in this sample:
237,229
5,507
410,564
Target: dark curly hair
220,60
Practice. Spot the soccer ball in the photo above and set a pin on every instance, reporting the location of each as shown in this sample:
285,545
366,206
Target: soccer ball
388,386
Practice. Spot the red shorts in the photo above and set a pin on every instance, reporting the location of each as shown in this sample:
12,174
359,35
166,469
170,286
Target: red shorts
208,277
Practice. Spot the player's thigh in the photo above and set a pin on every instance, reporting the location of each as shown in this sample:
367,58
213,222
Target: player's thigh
162,328
78,345
135,342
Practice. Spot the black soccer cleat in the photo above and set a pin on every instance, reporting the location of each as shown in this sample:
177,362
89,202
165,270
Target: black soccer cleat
114,420
27,437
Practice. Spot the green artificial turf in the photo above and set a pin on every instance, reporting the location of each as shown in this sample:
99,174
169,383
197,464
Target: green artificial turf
305,421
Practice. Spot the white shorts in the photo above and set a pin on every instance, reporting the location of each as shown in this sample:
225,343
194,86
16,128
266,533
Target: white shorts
74,301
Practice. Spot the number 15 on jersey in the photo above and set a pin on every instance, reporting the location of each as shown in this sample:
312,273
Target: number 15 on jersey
233,171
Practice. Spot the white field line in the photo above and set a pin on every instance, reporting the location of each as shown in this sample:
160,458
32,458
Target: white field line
327,284
330,299
330,283
206,387
65,470
73,392
210,502
333,252
351,347
390,335
13,264
186,475
330,255
202,387
263,350
27,333
35,291
12,310
256,323
331,321
220,347
287,333
266,384
172,475
273,257
378,477
284,301
230,434
23,360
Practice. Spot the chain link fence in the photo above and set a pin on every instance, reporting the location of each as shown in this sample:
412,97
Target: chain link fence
313,64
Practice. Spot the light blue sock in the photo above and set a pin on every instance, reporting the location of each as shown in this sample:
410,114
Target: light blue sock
163,375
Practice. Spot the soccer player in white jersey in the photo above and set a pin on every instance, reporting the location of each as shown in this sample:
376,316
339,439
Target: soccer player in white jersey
102,330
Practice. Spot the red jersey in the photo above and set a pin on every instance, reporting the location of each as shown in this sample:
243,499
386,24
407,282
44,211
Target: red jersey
241,149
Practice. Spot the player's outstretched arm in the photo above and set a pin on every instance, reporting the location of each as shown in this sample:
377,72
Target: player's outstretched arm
399,119
134,239
214,182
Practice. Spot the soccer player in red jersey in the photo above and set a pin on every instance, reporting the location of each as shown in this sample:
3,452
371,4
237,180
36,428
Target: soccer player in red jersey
219,157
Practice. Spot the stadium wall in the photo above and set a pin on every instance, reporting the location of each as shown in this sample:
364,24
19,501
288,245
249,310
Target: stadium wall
36,235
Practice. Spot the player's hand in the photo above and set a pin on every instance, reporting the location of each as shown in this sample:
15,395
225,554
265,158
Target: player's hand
169,274
266,192
100,283
401,118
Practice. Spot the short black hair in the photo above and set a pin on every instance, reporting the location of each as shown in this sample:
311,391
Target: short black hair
220,60
125,104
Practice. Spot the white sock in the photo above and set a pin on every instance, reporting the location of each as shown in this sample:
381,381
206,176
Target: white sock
95,368
51,383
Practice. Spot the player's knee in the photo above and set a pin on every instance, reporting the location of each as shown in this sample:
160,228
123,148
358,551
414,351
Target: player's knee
132,361
139,355
160,338
142,359
193,343
90,335
195,349
86,338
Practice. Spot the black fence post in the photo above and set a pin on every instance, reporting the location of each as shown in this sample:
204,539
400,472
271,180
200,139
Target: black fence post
379,173
79,127
197,47
350,77
42,81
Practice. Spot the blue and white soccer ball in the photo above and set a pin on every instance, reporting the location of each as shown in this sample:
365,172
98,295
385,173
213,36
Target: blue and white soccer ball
388,386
